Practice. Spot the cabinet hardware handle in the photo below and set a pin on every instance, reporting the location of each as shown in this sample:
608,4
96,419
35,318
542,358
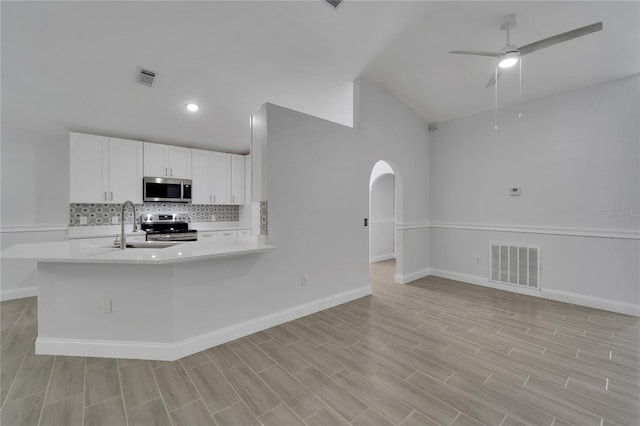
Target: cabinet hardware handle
105,195
210,198
111,195
171,171
166,171
214,198
233,198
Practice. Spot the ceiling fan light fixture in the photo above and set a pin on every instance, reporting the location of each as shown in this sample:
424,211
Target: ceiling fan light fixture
508,60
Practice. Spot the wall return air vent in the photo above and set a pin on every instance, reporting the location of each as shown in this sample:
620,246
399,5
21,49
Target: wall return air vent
146,77
515,264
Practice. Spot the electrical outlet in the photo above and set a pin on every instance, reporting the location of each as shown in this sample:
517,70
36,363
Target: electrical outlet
213,218
83,220
304,279
115,220
106,306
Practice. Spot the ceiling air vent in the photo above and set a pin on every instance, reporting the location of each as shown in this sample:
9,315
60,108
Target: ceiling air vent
146,77
334,3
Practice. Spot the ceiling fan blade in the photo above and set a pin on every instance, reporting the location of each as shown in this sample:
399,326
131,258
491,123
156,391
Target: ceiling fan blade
492,79
473,52
559,38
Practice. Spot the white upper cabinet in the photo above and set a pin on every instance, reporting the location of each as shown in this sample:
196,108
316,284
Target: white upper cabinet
104,170
221,178
201,191
179,162
167,161
156,160
110,170
237,179
218,178
88,168
125,171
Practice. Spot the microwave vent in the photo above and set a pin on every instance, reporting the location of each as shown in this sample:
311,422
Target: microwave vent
146,77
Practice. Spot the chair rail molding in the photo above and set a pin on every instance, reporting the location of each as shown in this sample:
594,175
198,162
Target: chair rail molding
523,229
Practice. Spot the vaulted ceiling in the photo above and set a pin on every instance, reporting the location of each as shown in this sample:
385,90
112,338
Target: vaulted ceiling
72,65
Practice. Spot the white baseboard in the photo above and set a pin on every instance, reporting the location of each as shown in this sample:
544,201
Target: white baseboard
561,296
174,351
407,278
381,257
18,293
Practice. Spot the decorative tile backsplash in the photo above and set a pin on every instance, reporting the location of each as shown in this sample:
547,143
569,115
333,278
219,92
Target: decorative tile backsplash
101,214
264,230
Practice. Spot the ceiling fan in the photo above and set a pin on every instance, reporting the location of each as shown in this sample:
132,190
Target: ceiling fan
510,54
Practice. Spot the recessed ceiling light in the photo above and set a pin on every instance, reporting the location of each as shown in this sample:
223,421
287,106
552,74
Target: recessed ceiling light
192,107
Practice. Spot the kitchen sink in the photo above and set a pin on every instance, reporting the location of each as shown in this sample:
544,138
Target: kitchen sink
148,244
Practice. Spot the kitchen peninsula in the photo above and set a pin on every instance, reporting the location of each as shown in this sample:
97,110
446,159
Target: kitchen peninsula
151,303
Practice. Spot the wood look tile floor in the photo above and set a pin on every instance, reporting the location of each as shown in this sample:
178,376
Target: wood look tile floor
432,352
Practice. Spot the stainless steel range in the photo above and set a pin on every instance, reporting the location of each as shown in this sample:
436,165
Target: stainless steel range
167,227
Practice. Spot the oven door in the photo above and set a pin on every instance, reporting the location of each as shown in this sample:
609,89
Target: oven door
162,189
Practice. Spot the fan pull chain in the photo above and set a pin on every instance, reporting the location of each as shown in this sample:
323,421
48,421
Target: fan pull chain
520,88
495,108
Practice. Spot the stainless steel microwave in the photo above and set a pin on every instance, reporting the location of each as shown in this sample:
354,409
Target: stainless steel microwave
166,189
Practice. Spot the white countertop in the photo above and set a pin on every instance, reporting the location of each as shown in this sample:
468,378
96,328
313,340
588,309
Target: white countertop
87,251
111,230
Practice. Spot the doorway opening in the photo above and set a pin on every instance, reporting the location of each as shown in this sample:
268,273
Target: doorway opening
383,214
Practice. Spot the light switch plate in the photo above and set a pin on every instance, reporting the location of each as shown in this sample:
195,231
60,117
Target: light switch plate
115,220
83,220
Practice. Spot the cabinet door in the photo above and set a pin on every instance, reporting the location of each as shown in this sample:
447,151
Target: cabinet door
221,178
156,160
125,170
237,179
179,162
201,177
227,235
88,168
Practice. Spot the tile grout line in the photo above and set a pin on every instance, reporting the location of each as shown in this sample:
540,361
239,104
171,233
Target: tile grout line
226,380
46,390
410,414
124,406
184,405
14,324
155,380
315,412
24,356
504,419
84,389
456,417
200,395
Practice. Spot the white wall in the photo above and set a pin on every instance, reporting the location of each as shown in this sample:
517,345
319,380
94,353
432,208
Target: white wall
390,131
34,203
382,219
576,156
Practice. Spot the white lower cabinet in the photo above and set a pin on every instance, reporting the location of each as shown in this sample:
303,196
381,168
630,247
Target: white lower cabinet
230,234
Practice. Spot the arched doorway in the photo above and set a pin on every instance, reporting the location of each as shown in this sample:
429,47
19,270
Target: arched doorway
382,213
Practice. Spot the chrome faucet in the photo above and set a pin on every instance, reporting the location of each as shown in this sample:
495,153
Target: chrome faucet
123,238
